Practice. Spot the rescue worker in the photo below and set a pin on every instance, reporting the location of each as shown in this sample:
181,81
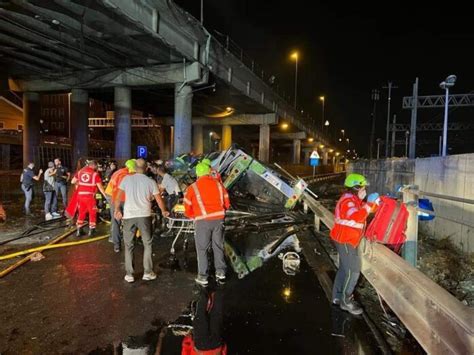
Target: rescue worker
349,226
111,193
170,185
88,181
140,191
206,201
26,179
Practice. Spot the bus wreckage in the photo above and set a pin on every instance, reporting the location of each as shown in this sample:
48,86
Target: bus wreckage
263,220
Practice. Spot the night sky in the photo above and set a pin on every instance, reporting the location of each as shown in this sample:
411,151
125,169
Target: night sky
348,49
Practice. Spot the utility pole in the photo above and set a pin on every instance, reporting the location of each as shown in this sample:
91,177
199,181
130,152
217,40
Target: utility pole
412,152
389,87
394,132
202,12
375,98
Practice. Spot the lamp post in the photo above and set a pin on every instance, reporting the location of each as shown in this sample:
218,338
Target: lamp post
322,99
295,57
449,82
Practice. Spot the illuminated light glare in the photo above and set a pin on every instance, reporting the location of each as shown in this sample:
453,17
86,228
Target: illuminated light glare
310,139
337,154
321,146
287,292
228,109
321,98
284,125
331,150
294,55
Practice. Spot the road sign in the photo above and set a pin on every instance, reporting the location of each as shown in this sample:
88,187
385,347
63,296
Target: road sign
142,151
313,161
314,155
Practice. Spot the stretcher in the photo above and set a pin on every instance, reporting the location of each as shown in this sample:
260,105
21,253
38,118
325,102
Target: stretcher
178,225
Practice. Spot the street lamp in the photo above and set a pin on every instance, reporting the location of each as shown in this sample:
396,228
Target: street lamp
294,56
284,125
448,83
322,99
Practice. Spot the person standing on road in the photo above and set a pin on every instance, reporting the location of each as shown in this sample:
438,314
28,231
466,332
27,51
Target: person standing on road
111,194
139,191
62,177
349,226
206,201
171,186
88,181
26,179
49,190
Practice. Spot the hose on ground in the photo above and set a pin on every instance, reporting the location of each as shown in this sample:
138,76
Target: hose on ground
52,246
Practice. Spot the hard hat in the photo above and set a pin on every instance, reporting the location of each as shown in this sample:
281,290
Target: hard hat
206,161
202,169
355,180
130,165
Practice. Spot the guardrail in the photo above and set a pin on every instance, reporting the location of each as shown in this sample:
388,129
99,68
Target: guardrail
438,321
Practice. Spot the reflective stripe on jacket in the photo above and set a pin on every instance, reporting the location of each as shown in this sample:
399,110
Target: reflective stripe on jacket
206,199
349,223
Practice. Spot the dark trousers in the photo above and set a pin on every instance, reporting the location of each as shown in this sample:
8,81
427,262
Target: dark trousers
207,233
50,202
61,189
208,322
348,272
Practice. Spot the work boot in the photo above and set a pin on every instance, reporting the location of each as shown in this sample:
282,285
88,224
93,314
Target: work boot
351,306
92,232
79,231
201,280
220,277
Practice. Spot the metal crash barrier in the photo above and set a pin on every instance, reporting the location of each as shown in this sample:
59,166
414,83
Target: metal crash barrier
438,321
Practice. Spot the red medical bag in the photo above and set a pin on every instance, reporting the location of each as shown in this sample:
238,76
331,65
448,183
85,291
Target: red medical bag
389,223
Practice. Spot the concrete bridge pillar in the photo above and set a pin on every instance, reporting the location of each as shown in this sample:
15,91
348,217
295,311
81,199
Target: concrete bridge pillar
198,139
79,124
264,143
31,125
123,123
183,101
325,156
226,137
296,151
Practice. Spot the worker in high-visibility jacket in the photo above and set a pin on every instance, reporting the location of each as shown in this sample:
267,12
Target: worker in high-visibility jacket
111,192
206,201
87,180
349,227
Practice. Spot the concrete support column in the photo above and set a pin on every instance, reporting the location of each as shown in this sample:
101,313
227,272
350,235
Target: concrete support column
183,102
226,137
198,139
161,139
31,125
123,123
264,143
325,156
167,135
296,151
79,124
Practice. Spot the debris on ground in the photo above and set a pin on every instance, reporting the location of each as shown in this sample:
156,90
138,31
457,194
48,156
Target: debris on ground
449,267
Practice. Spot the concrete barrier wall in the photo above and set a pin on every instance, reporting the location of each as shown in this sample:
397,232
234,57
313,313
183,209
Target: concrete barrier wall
449,176
385,175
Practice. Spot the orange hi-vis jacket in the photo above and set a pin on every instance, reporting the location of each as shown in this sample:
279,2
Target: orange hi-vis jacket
350,217
206,199
113,185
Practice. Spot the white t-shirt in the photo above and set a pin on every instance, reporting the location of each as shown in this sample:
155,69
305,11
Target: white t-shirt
170,184
139,190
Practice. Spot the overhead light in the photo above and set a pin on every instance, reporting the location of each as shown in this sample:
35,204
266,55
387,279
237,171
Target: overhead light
321,98
285,125
331,150
210,134
340,139
321,146
294,55
228,109
337,154
310,139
